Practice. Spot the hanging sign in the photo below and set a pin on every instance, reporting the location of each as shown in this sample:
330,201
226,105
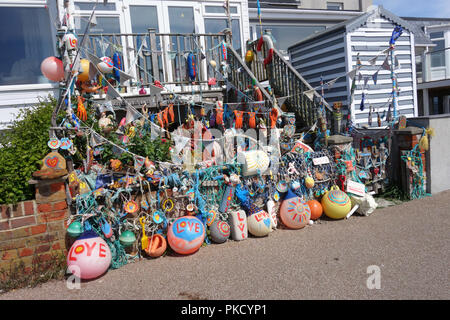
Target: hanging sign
356,188
320,161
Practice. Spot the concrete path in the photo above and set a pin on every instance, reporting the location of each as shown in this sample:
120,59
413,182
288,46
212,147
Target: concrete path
410,243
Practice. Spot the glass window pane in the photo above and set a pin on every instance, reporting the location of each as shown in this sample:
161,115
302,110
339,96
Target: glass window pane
143,17
181,20
100,6
219,9
335,6
104,25
284,36
218,25
25,39
438,59
440,44
435,35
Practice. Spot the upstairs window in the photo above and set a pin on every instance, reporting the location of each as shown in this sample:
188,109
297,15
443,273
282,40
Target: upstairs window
26,40
335,6
438,53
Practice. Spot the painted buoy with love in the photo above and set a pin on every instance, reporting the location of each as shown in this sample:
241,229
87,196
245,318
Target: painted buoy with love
89,257
186,235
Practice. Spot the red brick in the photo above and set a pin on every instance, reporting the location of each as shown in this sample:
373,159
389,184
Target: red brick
6,211
42,248
52,216
17,210
56,246
61,205
44,257
9,254
4,226
12,244
5,235
44,207
28,208
41,228
25,252
21,222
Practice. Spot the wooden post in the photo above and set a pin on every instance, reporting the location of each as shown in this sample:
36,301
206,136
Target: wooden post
154,53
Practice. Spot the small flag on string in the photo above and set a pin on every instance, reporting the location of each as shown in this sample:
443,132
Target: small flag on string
385,64
309,94
373,61
352,73
138,163
360,77
332,82
361,106
366,80
131,115
375,77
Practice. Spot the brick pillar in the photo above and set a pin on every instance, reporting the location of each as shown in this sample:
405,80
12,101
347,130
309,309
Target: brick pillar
32,231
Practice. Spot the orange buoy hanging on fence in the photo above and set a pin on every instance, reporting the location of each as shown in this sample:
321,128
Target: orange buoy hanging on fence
269,44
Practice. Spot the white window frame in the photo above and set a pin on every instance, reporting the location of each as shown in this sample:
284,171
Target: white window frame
446,37
31,4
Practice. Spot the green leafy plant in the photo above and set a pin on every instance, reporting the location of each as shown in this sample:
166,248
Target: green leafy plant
22,147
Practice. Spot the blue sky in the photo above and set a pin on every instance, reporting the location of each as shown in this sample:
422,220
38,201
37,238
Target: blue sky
417,8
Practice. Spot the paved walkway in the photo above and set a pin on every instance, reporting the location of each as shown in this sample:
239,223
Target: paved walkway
410,243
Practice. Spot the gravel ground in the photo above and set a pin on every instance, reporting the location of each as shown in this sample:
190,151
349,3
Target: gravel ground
329,260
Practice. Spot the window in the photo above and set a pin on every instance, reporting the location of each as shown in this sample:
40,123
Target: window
100,6
335,6
219,9
181,20
438,52
218,25
284,36
143,18
26,40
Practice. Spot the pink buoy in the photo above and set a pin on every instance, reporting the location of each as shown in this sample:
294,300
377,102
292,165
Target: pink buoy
89,257
52,68
294,213
186,235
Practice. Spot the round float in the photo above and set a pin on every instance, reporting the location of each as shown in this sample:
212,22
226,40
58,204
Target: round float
186,235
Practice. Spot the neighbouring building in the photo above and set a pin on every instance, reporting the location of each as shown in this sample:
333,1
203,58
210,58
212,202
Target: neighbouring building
433,67
334,52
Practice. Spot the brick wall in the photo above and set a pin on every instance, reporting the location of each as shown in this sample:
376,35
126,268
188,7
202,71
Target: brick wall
32,231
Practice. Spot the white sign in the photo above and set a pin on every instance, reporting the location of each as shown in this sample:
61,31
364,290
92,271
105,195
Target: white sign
321,160
356,188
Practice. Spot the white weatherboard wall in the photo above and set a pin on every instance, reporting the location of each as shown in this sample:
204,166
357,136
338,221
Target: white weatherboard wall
324,57
369,40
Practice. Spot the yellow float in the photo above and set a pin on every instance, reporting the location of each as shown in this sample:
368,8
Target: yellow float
336,203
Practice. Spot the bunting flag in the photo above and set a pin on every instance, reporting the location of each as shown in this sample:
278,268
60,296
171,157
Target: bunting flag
352,74
281,100
397,63
373,61
375,77
366,80
180,142
138,163
385,64
309,94
360,77
111,92
332,82
132,115
96,139
361,106
94,60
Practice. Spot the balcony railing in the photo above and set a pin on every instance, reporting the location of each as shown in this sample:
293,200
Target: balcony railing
161,57
433,66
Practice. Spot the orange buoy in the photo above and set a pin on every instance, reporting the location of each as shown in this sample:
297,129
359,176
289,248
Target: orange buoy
157,245
316,209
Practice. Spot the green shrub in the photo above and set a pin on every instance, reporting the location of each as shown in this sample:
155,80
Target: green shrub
22,147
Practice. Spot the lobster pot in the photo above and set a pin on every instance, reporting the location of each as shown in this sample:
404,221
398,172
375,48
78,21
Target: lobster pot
253,161
238,225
